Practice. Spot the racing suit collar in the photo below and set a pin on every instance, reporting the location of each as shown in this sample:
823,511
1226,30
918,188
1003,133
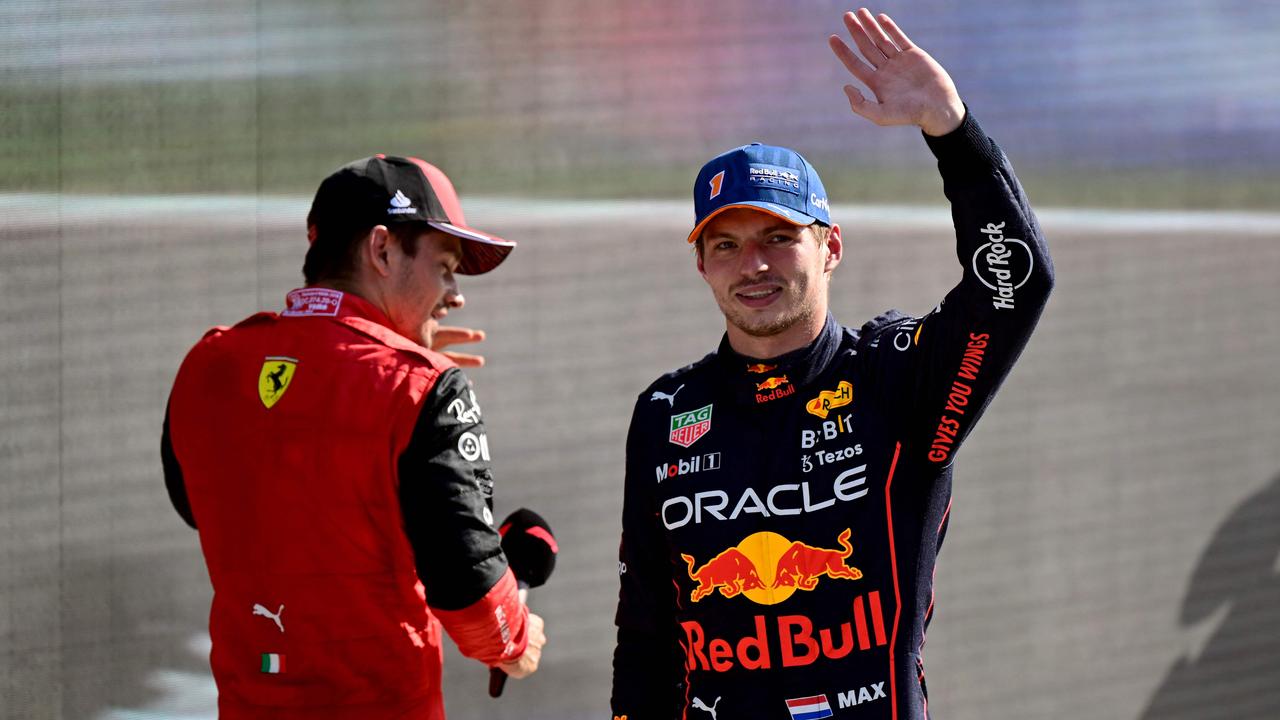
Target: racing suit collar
326,302
759,382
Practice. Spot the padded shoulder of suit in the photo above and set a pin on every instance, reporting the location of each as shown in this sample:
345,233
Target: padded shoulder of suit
876,326
688,372
394,340
254,319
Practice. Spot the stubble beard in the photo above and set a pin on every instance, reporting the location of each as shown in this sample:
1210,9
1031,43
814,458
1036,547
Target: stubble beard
802,309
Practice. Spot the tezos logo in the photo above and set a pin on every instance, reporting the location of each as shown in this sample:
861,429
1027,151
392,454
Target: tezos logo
1002,264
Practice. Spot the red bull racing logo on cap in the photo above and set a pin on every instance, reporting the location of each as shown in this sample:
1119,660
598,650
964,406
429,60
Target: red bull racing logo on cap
687,427
774,177
767,568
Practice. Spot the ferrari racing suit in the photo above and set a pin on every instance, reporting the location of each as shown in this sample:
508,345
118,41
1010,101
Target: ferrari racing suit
338,475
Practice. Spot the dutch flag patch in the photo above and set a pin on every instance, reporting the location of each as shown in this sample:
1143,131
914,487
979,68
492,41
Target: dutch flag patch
814,707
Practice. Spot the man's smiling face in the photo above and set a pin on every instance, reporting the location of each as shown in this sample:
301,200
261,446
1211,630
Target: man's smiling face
768,275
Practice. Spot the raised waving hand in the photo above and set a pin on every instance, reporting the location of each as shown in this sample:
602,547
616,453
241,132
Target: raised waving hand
909,86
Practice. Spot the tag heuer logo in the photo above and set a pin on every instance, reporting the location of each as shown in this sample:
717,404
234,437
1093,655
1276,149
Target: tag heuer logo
687,427
274,379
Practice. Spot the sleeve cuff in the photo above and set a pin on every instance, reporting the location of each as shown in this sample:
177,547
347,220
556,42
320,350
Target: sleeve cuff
963,144
494,629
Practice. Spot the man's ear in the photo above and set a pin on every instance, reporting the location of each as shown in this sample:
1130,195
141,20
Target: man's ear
376,249
835,249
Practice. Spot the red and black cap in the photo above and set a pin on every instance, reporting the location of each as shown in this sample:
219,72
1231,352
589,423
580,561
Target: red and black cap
385,189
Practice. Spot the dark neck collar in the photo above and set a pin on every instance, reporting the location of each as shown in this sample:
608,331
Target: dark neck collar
764,382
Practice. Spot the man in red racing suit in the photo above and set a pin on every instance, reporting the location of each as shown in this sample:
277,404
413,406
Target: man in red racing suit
787,495
338,473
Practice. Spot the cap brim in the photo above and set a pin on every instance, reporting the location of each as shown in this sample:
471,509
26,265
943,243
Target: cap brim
481,252
774,209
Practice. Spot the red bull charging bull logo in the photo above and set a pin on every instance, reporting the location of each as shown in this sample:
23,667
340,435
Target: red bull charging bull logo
767,568
771,383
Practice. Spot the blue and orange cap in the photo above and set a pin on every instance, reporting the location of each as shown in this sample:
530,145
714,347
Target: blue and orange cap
768,178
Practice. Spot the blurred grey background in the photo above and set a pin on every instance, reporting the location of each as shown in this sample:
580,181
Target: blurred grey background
1115,546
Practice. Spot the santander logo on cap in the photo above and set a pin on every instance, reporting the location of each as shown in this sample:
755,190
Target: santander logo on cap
401,205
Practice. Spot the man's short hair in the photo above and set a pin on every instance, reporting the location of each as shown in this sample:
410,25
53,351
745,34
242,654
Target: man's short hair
334,250
820,231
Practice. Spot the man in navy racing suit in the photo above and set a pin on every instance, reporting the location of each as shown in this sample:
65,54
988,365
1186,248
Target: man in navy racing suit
786,496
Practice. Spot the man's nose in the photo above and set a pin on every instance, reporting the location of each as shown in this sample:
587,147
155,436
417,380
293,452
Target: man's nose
753,260
453,299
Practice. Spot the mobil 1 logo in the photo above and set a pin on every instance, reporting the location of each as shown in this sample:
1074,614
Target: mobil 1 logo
695,464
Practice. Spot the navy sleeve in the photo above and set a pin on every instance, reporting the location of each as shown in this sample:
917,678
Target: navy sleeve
446,498
937,373
645,684
173,480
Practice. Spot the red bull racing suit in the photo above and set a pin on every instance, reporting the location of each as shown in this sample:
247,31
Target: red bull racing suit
782,516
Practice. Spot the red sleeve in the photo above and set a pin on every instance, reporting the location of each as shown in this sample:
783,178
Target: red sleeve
492,629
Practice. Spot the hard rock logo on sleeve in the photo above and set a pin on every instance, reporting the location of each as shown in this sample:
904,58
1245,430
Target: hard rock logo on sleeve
687,427
274,378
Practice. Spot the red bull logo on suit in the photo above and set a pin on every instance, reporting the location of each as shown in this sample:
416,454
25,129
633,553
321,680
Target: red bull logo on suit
787,640
767,568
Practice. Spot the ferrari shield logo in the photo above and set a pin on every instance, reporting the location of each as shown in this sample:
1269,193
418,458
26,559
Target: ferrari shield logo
273,381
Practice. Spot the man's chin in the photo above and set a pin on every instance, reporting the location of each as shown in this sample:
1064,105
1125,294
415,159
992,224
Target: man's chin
428,332
764,327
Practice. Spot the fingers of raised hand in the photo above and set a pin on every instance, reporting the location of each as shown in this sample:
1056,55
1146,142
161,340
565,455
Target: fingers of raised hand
861,105
862,39
850,60
464,359
872,25
895,33
447,335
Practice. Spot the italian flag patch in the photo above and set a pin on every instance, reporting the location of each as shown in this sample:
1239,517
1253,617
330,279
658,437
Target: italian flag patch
272,663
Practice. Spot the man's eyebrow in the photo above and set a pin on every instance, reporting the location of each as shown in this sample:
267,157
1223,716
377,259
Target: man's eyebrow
779,227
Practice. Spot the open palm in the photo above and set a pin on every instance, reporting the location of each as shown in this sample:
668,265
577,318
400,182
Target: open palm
909,86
